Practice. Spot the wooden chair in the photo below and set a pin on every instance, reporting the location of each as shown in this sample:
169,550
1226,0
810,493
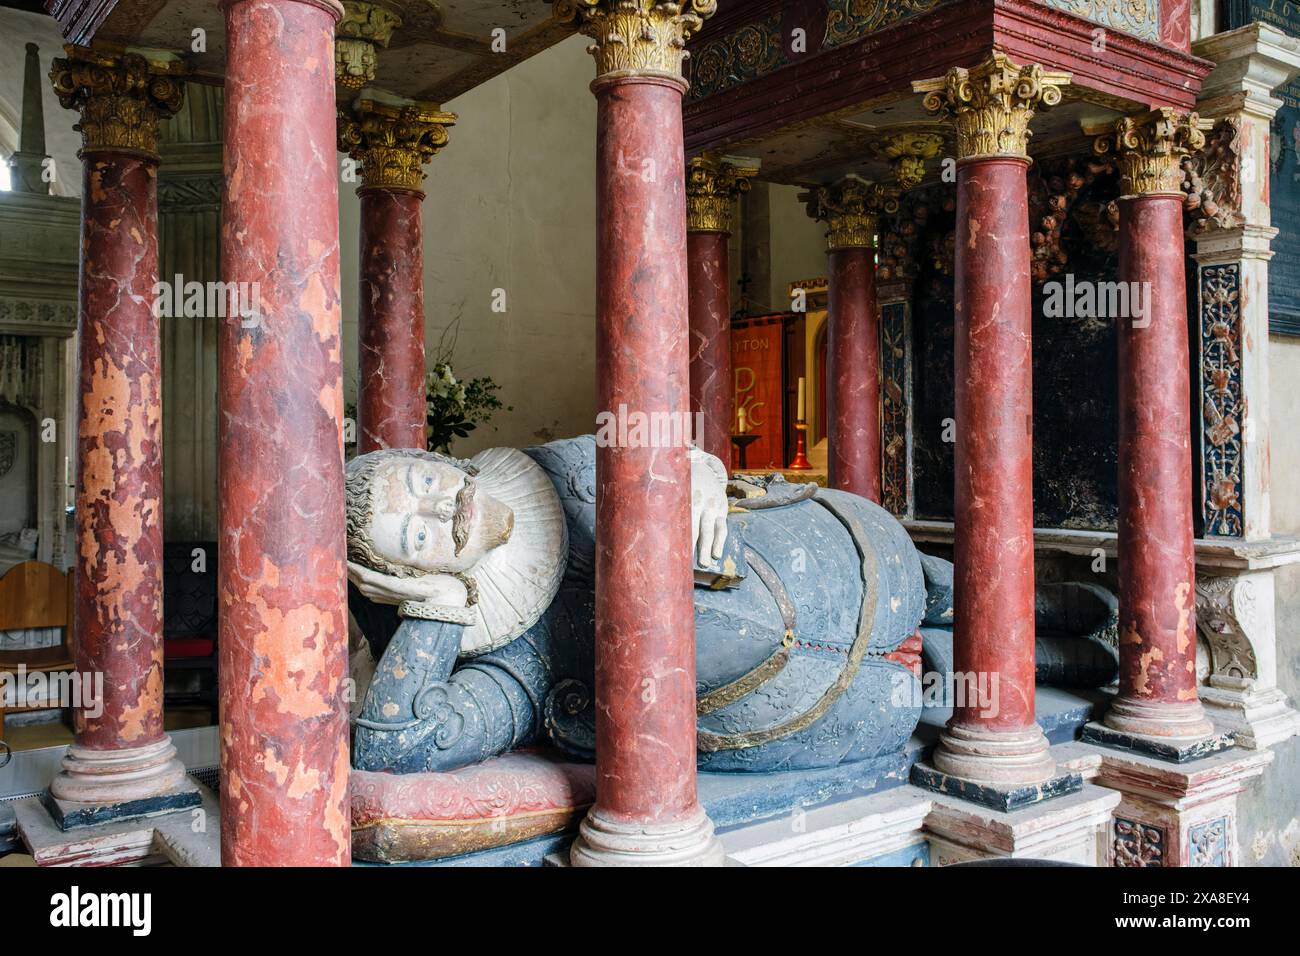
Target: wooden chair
35,594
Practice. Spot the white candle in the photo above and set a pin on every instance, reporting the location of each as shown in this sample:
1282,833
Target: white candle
802,410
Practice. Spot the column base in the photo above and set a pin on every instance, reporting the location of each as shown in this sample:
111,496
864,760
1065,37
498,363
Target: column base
1257,719
99,786
1171,749
603,841
186,837
1074,829
1003,797
1001,759
1177,721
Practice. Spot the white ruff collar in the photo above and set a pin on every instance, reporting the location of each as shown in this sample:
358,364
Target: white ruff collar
517,581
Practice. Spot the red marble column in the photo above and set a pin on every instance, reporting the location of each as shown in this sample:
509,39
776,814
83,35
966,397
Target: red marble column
710,341
1157,571
647,810
853,372
994,736
283,640
391,392
121,753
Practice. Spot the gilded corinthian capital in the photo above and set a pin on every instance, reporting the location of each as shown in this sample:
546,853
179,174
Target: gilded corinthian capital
637,37
1151,148
393,142
120,98
851,210
991,104
712,185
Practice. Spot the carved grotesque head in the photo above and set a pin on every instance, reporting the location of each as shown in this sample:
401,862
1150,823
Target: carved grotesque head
413,513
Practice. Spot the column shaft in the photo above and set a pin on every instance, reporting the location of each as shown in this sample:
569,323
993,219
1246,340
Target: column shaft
121,755
853,372
283,641
118,615
391,390
710,340
1156,558
645,653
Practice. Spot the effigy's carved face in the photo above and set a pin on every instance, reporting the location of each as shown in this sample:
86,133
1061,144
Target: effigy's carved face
419,514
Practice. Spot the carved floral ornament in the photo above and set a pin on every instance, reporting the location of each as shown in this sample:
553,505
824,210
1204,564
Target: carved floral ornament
392,143
991,104
1151,148
367,27
851,209
120,98
637,37
712,185
907,153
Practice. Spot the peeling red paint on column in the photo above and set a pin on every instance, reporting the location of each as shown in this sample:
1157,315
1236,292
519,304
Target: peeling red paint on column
645,647
118,616
283,641
710,342
391,400
853,373
993,585
1156,556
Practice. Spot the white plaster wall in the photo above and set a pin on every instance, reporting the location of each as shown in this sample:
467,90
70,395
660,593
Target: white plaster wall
798,244
511,204
17,29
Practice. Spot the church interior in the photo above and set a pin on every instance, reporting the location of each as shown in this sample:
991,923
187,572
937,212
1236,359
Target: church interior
574,433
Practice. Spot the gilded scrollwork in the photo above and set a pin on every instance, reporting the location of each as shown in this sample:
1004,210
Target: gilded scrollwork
637,37
392,143
121,98
991,104
754,50
849,20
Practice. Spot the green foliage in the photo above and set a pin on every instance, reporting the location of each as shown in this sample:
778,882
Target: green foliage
455,408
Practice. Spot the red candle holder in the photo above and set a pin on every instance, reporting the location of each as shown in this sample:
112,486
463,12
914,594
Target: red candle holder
801,462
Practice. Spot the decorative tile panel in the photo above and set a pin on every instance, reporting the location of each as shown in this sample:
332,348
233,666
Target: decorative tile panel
1207,843
1222,401
896,408
1138,844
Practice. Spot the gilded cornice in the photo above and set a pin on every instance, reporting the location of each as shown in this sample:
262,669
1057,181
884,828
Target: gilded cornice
851,210
991,104
120,98
392,143
712,186
637,37
1150,149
